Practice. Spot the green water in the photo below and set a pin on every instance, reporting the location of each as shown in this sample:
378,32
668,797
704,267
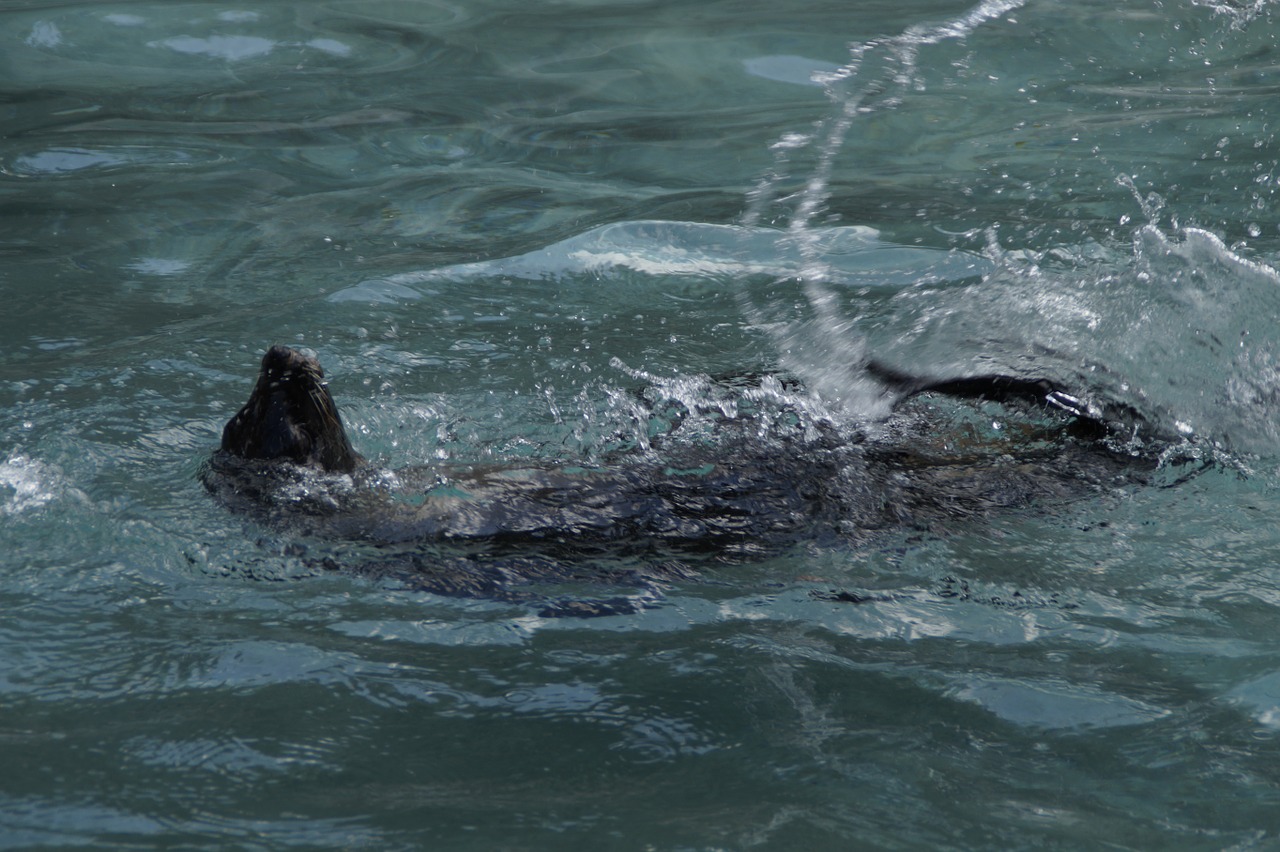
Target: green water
493,222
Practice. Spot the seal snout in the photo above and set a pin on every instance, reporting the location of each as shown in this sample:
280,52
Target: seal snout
284,363
291,416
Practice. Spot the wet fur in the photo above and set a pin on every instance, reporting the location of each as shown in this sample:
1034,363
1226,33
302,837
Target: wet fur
291,416
286,458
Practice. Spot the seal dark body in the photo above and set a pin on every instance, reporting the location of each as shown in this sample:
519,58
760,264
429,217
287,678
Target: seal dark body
757,491
286,456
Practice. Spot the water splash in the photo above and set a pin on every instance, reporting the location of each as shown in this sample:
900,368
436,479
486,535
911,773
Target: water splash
878,77
698,404
1241,13
1174,321
1220,370
26,484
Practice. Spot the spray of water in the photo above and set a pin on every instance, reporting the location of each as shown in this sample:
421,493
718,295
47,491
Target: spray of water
1178,323
878,77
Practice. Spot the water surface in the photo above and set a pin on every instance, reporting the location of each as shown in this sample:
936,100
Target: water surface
495,221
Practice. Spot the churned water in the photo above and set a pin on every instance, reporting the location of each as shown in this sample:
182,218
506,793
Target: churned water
494,221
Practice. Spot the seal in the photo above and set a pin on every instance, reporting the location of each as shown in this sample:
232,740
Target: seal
286,456
290,415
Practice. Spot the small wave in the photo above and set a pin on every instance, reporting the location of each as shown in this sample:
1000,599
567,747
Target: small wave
1054,705
797,70
227,48
59,161
693,255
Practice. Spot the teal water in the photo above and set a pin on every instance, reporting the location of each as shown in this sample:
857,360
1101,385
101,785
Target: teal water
493,221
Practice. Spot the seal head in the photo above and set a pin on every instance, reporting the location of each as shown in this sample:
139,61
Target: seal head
291,416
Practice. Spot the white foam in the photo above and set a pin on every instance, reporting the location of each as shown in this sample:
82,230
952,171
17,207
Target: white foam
25,484
229,48
785,68
44,34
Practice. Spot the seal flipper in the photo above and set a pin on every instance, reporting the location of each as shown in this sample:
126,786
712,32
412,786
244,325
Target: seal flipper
1089,421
